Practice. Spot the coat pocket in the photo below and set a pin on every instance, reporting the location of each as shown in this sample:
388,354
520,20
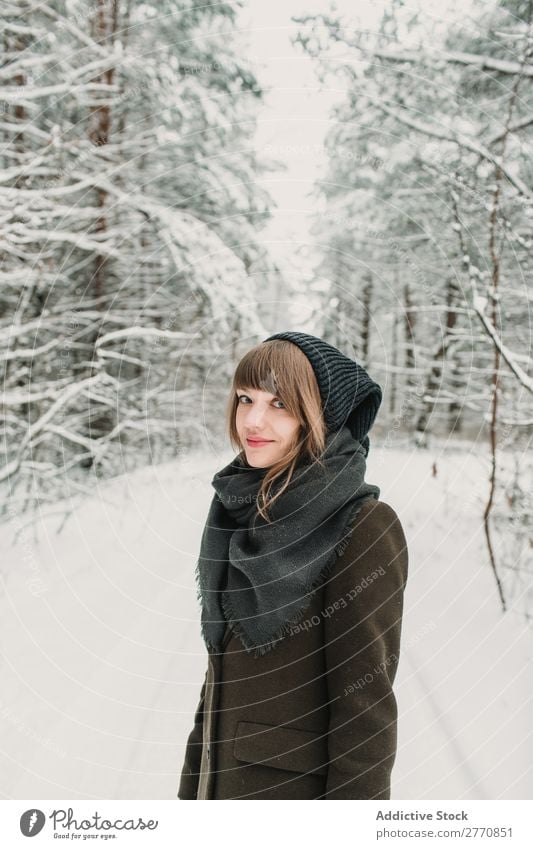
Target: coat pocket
282,747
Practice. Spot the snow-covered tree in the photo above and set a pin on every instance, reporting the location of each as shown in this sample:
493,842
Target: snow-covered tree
129,226
426,230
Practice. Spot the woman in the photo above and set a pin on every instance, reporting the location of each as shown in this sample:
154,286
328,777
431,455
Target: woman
300,577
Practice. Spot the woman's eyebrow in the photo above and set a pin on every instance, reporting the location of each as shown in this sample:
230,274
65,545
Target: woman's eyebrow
249,388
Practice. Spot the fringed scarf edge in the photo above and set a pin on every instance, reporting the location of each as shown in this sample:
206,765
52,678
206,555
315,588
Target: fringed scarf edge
263,648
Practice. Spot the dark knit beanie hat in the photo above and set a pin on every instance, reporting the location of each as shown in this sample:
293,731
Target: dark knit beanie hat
349,395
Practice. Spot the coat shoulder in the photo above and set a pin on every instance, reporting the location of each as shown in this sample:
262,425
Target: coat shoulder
377,534
376,515
378,510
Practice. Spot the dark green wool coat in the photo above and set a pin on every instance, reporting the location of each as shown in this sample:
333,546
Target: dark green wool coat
316,716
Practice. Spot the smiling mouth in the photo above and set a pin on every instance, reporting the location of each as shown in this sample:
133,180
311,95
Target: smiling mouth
258,442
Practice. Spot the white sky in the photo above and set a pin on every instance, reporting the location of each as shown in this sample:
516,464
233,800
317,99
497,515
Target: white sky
295,115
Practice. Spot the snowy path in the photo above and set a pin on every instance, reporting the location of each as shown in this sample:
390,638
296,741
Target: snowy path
101,671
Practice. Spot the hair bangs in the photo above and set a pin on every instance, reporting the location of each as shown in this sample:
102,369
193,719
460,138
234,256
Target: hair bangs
265,368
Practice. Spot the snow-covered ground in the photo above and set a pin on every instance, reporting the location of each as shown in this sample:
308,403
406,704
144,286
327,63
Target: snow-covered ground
102,657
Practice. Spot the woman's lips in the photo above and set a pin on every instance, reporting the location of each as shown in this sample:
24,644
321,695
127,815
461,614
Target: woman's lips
257,443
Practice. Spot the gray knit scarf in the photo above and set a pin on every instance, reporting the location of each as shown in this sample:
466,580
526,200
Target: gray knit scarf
258,577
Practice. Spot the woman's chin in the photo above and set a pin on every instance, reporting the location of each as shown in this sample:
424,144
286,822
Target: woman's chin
260,459
255,463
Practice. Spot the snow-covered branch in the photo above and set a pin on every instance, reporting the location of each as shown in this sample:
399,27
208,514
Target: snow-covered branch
479,303
483,62
460,139
142,333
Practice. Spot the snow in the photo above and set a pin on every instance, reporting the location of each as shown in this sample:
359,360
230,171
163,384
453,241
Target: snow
103,658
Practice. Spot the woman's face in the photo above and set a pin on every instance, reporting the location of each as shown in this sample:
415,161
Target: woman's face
263,417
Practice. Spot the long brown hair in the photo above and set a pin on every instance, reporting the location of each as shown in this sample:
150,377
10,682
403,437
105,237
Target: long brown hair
281,368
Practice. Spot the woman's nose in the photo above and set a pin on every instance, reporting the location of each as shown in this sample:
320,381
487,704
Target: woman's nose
255,415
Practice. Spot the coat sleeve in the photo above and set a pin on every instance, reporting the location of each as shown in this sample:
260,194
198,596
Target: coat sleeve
362,628
190,773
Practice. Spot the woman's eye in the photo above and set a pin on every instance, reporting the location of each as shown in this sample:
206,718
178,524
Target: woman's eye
276,401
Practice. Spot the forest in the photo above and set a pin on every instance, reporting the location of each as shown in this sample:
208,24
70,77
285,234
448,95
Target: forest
132,256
